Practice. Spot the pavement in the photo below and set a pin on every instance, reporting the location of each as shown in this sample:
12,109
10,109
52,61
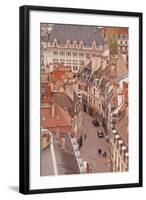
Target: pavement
91,145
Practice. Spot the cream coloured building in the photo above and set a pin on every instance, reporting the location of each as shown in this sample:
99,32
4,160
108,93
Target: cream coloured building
70,45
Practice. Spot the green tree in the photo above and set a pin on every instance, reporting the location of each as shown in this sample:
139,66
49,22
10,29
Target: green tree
112,44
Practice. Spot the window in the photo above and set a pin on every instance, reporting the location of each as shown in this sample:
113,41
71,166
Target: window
42,46
87,55
62,61
75,68
90,100
94,91
55,44
75,54
42,60
81,55
62,53
79,86
68,53
55,53
68,64
94,102
75,61
55,60
68,60
81,46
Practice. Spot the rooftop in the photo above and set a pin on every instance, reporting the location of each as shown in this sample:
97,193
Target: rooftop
64,102
65,159
87,34
121,68
116,30
122,123
55,119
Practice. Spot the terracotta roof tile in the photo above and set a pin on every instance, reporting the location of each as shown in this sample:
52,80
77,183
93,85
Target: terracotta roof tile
60,122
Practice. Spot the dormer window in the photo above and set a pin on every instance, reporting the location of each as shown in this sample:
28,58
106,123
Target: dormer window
55,43
81,44
96,82
68,44
74,44
94,44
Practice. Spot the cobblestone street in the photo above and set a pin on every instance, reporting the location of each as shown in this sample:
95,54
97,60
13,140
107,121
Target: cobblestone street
91,145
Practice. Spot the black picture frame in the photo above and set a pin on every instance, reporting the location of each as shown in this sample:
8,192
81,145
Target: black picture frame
25,104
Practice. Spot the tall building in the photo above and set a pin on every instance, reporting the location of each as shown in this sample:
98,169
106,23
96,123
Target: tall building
70,45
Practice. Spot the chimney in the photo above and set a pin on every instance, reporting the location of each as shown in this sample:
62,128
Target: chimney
62,143
53,110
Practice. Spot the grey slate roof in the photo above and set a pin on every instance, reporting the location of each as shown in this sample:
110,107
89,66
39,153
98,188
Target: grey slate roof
97,74
85,73
46,163
66,160
88,34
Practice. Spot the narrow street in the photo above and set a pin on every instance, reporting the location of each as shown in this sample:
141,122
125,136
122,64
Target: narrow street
91,144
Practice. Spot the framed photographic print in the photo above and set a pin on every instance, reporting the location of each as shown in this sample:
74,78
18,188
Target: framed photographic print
80,99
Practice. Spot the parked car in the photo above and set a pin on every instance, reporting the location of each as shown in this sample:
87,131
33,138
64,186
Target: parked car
100,134
95,123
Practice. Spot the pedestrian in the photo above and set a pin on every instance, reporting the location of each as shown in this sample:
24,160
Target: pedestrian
90,170
85,136
99,151
104,154
87,168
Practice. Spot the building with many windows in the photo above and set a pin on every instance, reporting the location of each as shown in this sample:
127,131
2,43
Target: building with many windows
71,46
117,104
119,35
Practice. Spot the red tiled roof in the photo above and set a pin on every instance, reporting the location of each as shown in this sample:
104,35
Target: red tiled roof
44,99
57,75
60,122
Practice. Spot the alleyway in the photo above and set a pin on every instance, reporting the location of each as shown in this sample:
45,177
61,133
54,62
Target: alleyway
91,144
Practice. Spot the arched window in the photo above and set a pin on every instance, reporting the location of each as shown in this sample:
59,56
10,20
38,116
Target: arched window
55,43
75,44
81,44
68,43
94,44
